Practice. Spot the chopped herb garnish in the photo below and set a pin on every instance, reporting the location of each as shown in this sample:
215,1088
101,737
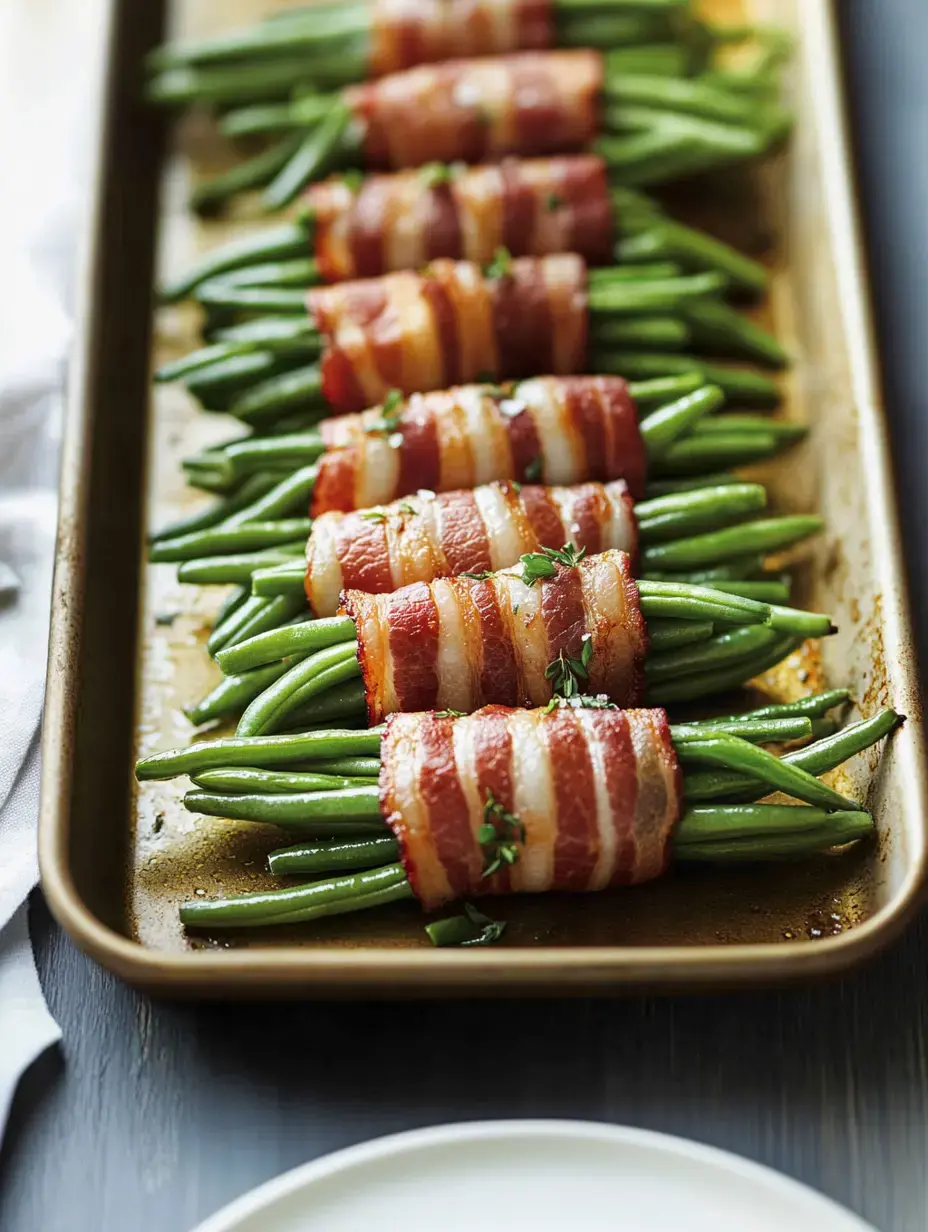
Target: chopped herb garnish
533,470
405,507
450,714
582,701
543,564
567,674
353,179
554,202
472,928
515,485
158,824
433,175
477,577
390,418
515,609
499,836
374,515
501,265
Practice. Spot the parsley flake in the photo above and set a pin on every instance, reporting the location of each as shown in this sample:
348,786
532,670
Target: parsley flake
353,179
501,265
543,564
434,175
374,515
389,420
405,507
477,577
568,674
472,928
450,714
533,470
554,202
499,836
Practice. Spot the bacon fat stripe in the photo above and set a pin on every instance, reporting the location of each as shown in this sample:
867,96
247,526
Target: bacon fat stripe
405,33
428,536
531,207
479,110
549,430
598,793
459,643
449,323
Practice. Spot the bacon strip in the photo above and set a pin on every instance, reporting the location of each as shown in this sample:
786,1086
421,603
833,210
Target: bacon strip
405,33
479,110
416,331
461,643
425,536
598,793
532,207
553,430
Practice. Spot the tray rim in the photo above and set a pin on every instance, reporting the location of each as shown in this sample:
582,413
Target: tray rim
566,970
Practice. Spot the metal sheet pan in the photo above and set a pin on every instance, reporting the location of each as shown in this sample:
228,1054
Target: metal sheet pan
126,644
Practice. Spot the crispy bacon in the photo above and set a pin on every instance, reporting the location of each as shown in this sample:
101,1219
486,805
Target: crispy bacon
425,536
550,430
449,323
465,642
480,110
405,33
597,793
532,207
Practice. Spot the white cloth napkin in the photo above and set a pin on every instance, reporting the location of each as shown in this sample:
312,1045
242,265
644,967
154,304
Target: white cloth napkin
49,58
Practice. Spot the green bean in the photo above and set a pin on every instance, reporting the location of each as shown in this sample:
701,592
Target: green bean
691,247
218,294
614,296
213,570
636,273
772,591
659,333
734,753
699,827
696,453
814,706
314,158
264,752
764,535
279,698
848,829
224,376
670,487
298,388
728,425
273,333
254,173
234,693
237,597
730,571
697,510
222,84
246,781
228,623
335,896
740,385
290,494
756,731
348,810
334,856
660,429
353,767
304,638
273,243
252,487
344,701
285,579
704,684
296,272
716,325
649,395
275,612
250,536
683,601
690,96
817,758
666,635
720,651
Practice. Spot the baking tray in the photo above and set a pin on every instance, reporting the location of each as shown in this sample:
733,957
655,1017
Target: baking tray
126,640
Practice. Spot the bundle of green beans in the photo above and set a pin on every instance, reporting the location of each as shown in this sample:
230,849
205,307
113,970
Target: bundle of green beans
643,320
658,122
280,255
678,438
703,639
287,781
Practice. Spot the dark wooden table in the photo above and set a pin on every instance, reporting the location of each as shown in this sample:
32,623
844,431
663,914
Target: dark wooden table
153,1115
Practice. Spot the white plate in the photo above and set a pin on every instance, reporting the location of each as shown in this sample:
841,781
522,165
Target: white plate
546,1176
